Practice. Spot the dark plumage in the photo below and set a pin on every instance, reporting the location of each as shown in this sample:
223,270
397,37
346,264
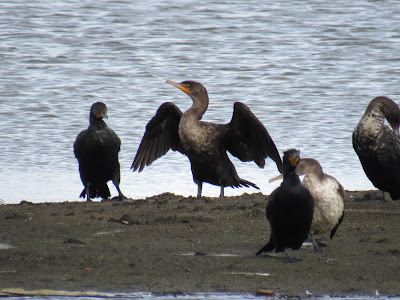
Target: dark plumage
205,143
289,210
378,147
328,195
96,149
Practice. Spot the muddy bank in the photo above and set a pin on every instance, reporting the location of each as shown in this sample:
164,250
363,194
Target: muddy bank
172,244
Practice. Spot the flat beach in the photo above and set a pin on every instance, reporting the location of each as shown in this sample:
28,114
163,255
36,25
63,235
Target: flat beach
169,244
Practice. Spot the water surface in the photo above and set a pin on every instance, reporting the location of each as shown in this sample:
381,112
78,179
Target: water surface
307,69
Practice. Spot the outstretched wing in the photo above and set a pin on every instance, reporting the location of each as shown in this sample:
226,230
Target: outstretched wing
248,139
161,135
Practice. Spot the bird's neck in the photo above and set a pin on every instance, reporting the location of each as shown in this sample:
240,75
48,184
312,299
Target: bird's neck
199,107
97,122
313,171
314,177
376,113
290,178
372,122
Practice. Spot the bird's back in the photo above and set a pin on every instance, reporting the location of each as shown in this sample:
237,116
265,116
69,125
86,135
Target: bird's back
378,147
290,212
380,158
328,195
96,149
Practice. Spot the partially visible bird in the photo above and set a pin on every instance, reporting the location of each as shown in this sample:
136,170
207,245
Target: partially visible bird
96,149
205,143
328,195
289,210
378,147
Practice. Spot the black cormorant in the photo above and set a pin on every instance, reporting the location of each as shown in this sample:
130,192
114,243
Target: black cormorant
289,210
205,143
96,149
328,195
378,147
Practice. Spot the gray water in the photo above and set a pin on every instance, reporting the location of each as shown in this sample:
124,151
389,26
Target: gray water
307,69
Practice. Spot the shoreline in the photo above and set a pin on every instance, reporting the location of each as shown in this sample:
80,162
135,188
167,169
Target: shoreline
170,244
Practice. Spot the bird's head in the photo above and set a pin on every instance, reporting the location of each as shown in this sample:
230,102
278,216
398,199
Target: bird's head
193,88
98,111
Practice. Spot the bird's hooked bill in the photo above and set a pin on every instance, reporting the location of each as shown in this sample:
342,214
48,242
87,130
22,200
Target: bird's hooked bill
395,128
102,115
183,87
280,176
294,158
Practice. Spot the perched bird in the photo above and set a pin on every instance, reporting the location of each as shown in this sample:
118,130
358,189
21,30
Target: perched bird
289,210
378,147
204,143
96,149
328,195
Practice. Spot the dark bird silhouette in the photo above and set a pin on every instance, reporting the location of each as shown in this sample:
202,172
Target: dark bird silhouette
378,147
289,210
204,143
96,149
328,195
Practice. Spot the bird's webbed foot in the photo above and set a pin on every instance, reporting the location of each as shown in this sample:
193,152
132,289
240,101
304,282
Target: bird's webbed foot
290,259
121,198
316,248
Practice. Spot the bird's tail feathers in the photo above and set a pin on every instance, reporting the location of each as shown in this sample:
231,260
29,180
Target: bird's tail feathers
97,191
395,196
267,248
83,194
246,183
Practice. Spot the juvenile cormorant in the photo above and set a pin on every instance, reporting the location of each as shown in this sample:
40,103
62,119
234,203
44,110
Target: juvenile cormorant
205,143
328,195
289,210
378,147
96,149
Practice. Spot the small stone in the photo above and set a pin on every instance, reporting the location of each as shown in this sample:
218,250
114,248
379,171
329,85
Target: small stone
269,293
73,241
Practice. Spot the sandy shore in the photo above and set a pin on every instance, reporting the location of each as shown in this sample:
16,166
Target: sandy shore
172,244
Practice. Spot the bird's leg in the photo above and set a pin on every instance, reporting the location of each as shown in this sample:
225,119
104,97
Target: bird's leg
121,196
221,194
316,248
382,195
88,193
199,189
290,259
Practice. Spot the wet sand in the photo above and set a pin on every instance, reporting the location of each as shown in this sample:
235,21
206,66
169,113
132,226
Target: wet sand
176,245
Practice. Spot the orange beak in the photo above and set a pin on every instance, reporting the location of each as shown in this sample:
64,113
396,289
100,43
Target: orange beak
183,87
294,159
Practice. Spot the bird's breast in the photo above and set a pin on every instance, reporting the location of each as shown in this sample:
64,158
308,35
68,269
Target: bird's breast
199,137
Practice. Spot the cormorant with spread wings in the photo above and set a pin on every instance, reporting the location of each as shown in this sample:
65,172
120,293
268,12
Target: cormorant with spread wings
206,143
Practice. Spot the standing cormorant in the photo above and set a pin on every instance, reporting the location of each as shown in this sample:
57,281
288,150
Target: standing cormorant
378,147
289,210
96,149
205,143
328,195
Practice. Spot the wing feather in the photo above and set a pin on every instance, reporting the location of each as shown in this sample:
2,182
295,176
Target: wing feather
161,135
248,139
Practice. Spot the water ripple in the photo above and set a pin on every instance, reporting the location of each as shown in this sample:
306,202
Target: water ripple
307,70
